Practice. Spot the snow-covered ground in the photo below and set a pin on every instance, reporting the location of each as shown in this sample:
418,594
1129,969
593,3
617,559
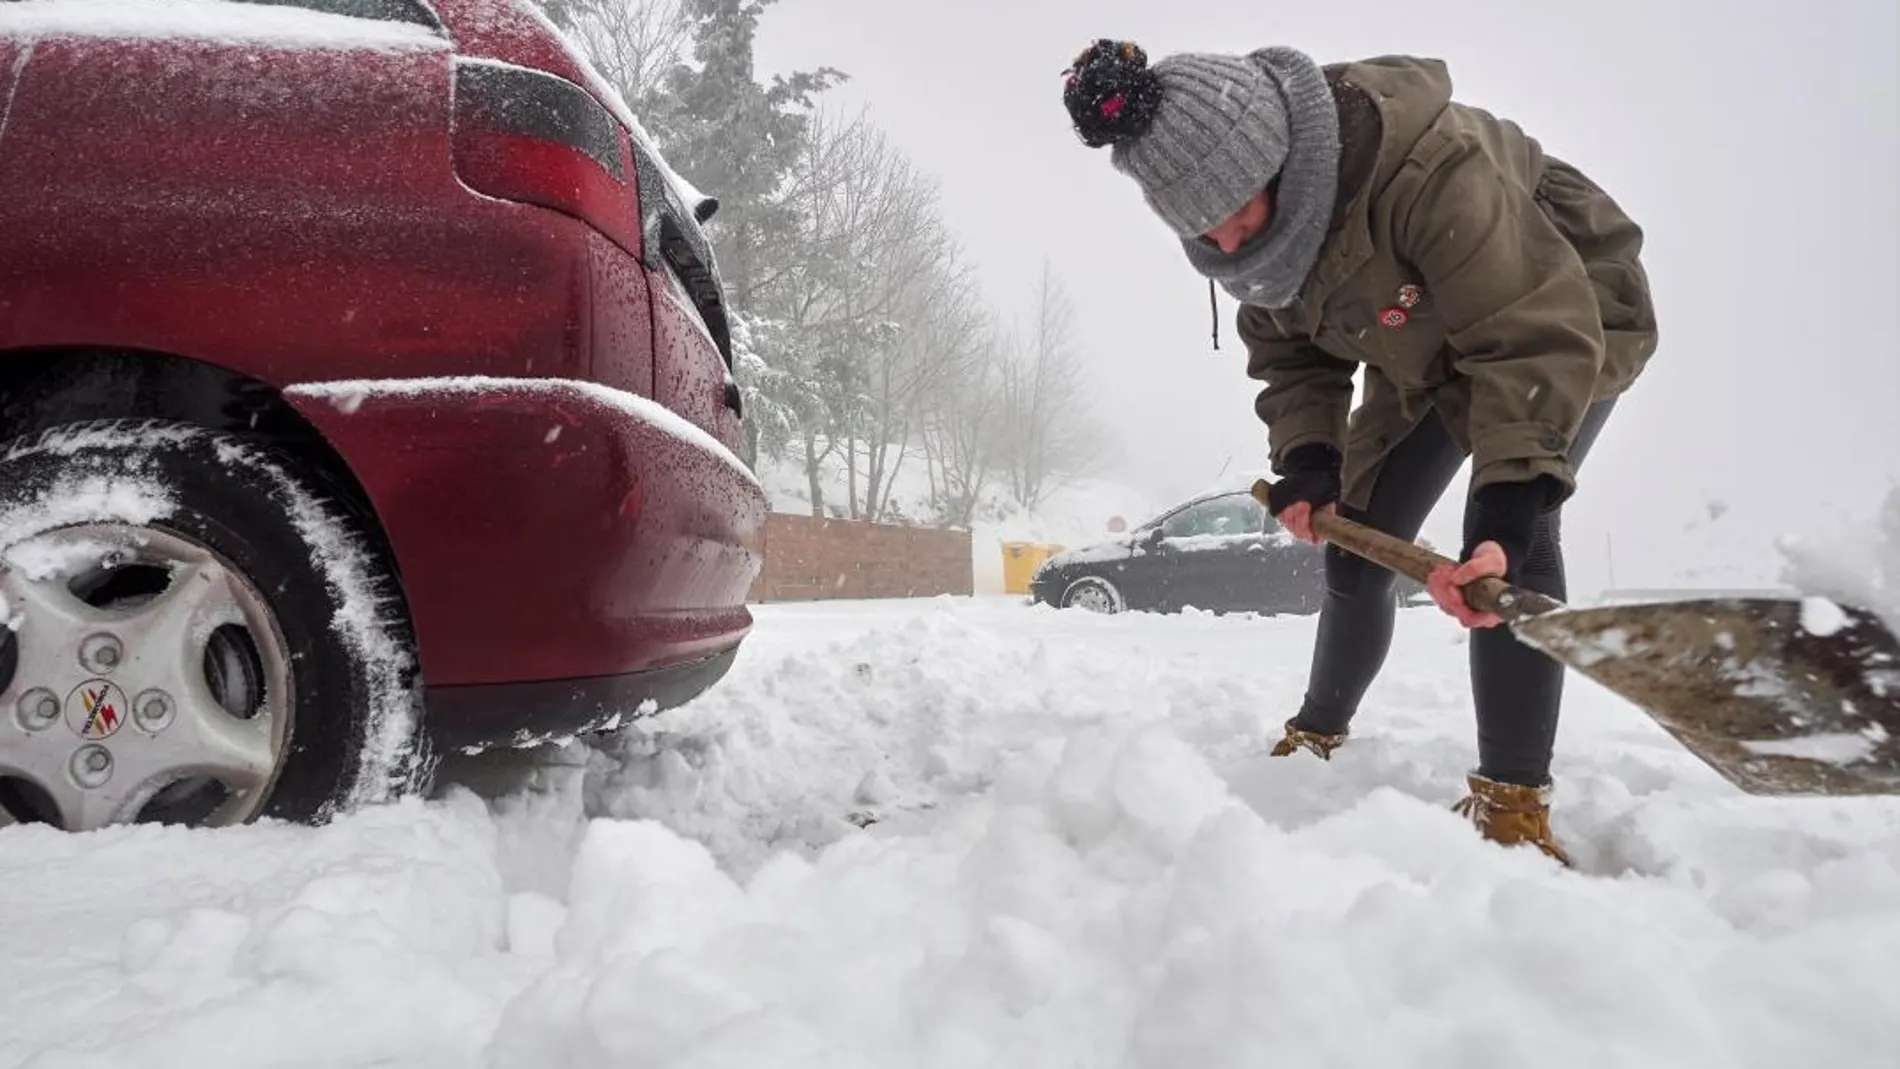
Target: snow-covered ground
1081,857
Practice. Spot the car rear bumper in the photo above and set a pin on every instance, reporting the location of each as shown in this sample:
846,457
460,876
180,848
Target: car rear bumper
547,529
525,714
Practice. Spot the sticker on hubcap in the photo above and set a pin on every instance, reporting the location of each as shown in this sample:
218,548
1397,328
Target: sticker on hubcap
96,709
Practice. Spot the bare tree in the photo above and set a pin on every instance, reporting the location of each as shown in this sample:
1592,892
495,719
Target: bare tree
857,290
1047,429
633,43
937,310
961,433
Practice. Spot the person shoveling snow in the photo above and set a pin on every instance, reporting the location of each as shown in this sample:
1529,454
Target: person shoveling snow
1494,294
1497,301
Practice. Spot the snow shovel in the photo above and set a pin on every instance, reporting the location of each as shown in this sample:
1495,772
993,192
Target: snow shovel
1781,697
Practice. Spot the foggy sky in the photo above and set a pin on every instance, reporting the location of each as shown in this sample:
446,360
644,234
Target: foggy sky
1755,143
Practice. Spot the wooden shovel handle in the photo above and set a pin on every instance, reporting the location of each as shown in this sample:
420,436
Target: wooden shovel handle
1489,594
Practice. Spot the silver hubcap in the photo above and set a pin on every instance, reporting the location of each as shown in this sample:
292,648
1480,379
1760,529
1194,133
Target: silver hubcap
1094,597
143,680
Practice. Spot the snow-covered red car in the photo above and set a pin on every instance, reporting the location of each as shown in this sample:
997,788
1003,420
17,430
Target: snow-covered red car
364,392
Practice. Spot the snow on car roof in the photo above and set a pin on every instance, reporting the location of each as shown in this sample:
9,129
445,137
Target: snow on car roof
218,20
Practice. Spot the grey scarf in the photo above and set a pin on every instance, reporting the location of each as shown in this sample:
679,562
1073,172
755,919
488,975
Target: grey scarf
1271,270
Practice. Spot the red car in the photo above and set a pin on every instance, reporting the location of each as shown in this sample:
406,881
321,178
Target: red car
364,393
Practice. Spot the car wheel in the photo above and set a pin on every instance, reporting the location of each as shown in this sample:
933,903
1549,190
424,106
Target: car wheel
194,634
1093,593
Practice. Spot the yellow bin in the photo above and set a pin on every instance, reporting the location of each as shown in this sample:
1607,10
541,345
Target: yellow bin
1020,561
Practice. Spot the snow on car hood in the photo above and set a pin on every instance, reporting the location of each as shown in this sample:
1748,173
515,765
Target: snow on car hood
1127,545
1095,553
1218,541
217,20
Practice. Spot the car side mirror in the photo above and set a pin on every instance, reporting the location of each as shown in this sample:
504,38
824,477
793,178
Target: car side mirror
705,208
1151,538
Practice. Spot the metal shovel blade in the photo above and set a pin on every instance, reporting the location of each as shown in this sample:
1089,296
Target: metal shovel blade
1776,706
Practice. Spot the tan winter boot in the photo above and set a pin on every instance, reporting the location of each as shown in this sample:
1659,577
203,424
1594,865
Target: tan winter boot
1318,742
1511,815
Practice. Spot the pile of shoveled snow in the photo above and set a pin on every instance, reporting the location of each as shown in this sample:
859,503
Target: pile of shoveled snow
1858,566
1077,855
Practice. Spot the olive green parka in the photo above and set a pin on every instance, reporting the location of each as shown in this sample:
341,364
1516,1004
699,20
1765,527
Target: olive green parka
1467,271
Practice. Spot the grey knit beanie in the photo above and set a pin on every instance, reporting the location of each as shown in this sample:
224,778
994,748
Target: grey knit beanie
1200,133
1203,134
1219,137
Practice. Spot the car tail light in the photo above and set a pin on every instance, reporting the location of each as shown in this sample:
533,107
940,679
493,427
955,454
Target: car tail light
525,135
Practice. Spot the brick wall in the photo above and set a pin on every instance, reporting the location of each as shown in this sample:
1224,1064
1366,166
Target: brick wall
808,558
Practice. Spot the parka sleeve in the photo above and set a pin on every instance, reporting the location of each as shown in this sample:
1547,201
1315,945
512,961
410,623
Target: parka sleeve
1308,393
1519,312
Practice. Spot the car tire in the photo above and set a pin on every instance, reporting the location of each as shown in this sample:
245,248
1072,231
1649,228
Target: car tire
1093,594
258,636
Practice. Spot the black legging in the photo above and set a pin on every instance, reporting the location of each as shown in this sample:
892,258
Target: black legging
1516,689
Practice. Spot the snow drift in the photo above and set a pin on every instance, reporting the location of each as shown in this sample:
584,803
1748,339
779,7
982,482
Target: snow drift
1073,853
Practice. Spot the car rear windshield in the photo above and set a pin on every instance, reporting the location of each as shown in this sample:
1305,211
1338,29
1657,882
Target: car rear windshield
413,11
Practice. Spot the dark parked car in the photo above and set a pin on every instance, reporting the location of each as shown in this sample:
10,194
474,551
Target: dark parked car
1219,552
364,391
